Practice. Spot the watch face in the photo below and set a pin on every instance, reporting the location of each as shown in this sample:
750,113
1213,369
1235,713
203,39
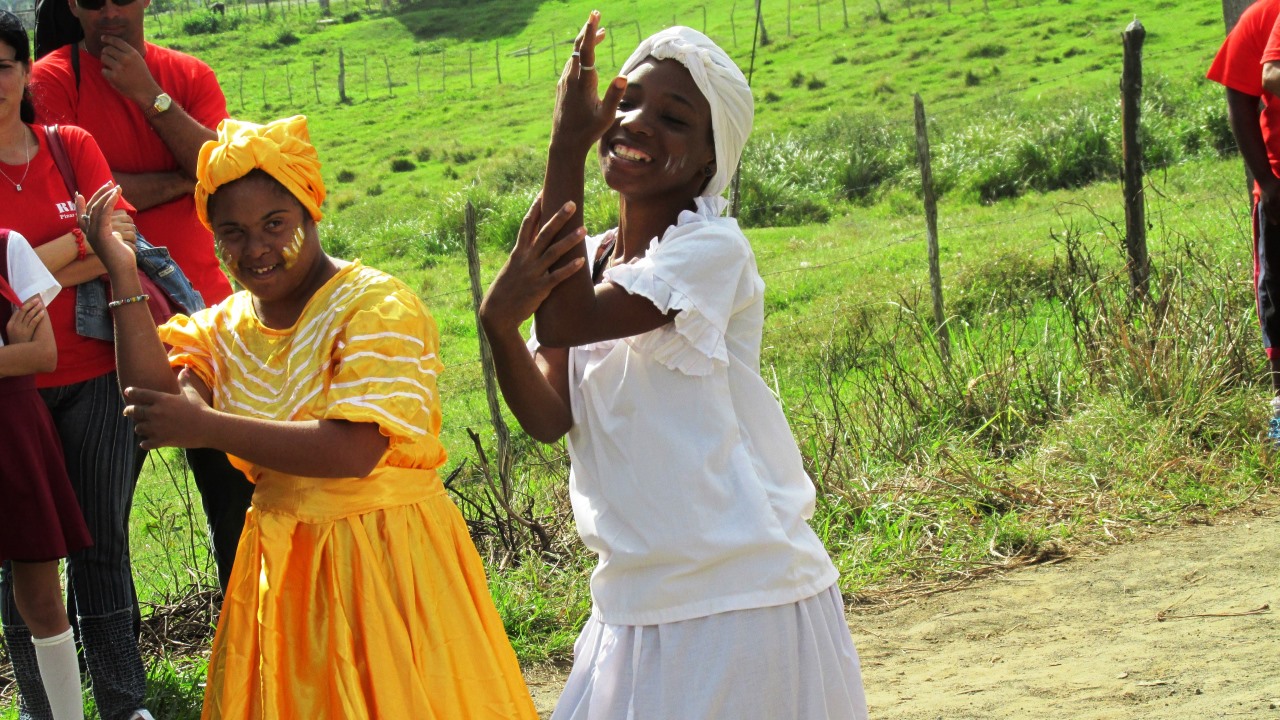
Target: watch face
162,102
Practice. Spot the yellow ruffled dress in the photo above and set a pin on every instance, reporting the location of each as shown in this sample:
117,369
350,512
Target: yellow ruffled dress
355,597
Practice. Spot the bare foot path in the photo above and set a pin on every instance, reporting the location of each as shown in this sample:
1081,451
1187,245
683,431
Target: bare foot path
1085,638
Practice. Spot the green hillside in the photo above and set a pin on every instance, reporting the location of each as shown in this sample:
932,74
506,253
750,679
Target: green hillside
446,120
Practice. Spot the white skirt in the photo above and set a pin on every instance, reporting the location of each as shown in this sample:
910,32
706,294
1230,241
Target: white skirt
788,662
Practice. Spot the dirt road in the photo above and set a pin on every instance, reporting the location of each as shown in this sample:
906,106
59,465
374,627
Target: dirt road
1083,638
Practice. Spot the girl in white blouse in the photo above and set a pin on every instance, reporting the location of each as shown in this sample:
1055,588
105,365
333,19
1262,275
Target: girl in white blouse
713,598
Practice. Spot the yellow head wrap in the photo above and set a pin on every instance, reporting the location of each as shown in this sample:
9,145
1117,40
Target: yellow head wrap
281,148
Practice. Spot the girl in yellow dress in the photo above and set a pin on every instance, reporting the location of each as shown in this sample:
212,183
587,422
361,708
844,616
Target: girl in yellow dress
356,592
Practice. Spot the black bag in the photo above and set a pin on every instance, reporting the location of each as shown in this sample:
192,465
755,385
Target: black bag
55,27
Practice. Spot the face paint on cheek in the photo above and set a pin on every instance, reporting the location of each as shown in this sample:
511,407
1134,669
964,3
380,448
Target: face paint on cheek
293,249
222,253
674,166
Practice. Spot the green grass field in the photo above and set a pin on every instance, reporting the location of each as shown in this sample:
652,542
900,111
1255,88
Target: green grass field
1067,414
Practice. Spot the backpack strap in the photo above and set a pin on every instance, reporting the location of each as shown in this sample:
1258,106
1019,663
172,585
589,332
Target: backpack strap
60,158
6,290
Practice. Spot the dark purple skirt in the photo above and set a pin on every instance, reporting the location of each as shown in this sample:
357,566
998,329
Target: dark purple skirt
40,518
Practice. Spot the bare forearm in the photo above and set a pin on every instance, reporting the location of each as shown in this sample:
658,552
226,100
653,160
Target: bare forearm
537,406
309,448
59,252
183,135
147,190
563,183
141,360
28,358
78,272
1242,112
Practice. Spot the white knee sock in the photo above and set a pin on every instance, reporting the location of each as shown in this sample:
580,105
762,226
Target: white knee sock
60,672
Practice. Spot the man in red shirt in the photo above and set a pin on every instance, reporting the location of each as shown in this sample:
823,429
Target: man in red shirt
1238,66
151,109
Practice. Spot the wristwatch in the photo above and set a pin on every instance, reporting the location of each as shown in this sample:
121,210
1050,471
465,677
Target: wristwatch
161,103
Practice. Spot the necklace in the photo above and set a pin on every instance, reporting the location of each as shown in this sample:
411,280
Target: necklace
18,185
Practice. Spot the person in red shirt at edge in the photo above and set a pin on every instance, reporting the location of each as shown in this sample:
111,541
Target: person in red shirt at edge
1238,66
151,109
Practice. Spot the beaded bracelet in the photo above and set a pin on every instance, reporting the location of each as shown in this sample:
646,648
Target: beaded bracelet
125,301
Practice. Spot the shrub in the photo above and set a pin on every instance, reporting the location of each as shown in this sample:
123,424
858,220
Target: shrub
207,23
346,176
987,50
402,165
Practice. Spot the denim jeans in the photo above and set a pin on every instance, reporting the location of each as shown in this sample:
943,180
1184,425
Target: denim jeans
101,453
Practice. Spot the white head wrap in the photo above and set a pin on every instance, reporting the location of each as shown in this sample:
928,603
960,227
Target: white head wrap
721,83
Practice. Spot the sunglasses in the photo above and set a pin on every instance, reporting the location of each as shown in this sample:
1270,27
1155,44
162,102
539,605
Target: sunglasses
99,4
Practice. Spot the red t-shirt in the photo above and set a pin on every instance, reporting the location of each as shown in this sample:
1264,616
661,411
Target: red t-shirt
131,145
43,212
1238,66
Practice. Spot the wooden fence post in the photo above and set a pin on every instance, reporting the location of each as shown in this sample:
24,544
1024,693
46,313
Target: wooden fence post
764,32
931,228
1135,221
366,77
342,78
387,64
288,83
486,353
732,27
417,74
497,61
444,69
471,67
315,79
555,56
528,62
844,6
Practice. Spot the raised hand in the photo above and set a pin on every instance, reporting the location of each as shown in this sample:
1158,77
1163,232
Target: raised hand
581,116
527,277
99,222
25,320
125,68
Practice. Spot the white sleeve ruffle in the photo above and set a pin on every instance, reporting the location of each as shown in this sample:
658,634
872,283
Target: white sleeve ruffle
692,344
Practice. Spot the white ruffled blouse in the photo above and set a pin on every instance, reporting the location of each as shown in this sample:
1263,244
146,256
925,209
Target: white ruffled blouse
686,480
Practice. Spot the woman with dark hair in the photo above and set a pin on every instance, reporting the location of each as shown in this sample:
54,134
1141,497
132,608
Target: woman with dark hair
81,394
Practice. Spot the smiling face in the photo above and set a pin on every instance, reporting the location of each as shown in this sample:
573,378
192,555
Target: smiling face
660,144
265,239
